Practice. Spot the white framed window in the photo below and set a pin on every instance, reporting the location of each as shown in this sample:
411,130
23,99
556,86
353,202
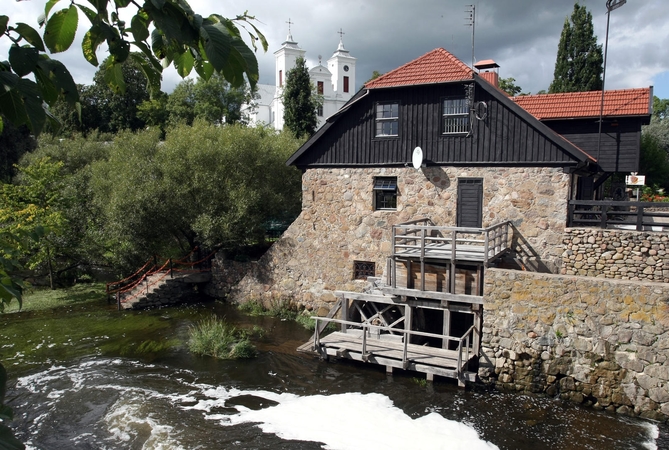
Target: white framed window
385,193
387,119
455,116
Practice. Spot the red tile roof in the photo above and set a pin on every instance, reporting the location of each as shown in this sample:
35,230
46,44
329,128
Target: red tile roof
571,105
437,66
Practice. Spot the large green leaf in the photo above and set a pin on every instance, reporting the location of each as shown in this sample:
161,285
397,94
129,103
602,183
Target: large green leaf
4,20
12,107
203,68
8,80
184,63
49,5
30,35
217,44
32,100
8,441
23,59
149,55
152,75
139,25
90,43
61,29
61,78
114,77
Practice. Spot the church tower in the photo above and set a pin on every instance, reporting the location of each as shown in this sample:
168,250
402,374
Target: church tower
285,58
342,66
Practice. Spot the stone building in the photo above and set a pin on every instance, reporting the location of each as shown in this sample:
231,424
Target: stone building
556,290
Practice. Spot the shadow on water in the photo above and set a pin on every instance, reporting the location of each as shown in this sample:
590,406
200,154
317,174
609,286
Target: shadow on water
88,376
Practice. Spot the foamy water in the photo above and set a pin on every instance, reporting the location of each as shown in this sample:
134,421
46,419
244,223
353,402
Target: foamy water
119,403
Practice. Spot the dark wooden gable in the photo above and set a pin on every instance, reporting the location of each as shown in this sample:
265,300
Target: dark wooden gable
507,135
620,144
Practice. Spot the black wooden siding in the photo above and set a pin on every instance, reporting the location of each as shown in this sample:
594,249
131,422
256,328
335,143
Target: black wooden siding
504,137
621,140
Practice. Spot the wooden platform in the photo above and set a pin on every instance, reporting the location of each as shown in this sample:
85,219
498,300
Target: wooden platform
388,351
443,252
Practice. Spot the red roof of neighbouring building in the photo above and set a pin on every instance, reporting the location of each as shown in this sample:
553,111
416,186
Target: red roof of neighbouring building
571,105
437,66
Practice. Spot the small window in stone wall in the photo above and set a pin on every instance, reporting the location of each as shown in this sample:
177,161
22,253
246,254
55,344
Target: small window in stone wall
363,269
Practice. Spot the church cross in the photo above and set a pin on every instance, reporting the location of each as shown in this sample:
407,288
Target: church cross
341,34
289,24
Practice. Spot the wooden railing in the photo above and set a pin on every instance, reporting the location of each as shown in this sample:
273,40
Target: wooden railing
484,244
139,282
639,216
463,350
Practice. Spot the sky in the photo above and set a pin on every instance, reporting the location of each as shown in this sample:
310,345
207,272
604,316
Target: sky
520,35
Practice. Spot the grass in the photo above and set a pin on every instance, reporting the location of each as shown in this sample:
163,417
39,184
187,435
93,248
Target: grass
215,337
284,310
37,299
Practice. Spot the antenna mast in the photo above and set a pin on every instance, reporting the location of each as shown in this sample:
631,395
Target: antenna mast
471,22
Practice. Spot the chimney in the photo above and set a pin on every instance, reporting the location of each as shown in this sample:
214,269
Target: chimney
488,70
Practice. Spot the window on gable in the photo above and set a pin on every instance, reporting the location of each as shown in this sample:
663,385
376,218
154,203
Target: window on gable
455,116
363,269
387,119
320,88
385,193
345,84
280,77
319,110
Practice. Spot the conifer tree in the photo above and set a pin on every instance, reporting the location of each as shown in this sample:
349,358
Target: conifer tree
579,58
300,104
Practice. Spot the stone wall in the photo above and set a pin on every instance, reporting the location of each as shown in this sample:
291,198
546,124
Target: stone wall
225,274
338,224
590,340
620,254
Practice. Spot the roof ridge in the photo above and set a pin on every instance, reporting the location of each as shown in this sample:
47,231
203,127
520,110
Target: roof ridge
386,80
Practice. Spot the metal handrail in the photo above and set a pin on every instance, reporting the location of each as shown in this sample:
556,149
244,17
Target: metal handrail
367,327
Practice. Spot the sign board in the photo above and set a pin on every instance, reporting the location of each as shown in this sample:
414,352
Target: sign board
635,180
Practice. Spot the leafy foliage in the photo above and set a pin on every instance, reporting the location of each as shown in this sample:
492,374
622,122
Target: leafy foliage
300,103
213,100
215,337
179,36
508,85
168,197
654,162
579,58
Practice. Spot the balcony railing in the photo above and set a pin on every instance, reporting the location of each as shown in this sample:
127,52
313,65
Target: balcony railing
639,216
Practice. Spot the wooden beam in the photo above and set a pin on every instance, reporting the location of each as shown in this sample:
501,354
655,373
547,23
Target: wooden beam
463,298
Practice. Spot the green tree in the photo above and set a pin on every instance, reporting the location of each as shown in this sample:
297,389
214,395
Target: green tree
154,110
660,108
166,198
213,100
299,101
36,202
509,86
375,74
654,161
178,36
579,57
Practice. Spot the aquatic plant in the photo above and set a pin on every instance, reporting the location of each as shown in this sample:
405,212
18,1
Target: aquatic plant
215,337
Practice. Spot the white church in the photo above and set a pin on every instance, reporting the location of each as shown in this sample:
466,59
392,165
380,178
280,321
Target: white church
335,83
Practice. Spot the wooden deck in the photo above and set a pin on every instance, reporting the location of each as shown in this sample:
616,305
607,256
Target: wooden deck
428,242
369,344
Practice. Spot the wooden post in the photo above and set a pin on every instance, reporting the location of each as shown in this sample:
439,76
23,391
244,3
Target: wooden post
639,218
118,300
446,328
171,269
344,312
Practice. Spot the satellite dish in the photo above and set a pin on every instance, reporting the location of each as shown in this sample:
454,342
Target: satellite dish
417,158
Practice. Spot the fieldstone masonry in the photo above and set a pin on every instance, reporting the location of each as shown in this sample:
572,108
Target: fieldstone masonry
624,255
589,340
338,224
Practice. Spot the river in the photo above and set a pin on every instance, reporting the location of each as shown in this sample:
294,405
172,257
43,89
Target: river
90,377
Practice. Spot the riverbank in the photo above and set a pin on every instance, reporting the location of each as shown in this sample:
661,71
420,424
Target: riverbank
40,299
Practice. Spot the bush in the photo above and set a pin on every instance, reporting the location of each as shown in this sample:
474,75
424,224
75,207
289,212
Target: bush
215,337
